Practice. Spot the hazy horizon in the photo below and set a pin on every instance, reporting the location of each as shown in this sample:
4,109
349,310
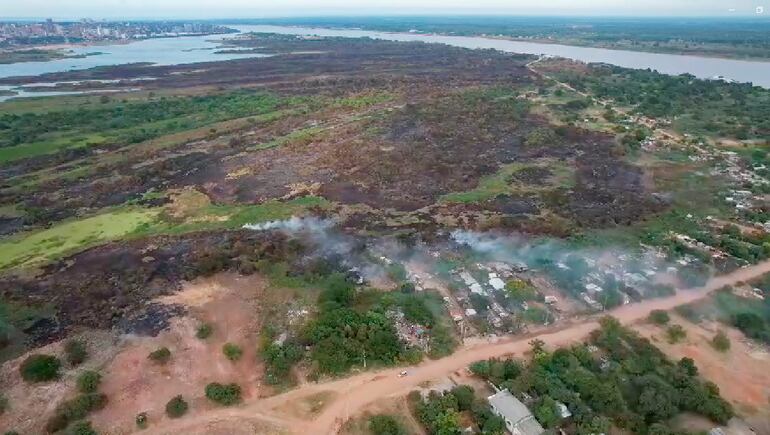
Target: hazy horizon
245,9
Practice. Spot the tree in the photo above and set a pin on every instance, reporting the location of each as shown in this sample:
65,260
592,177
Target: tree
386,425
659,317
721,341
226,395
176,407
232,351
40,368
688,365
597,424
76,352
546,412
88,381
160,356
465,397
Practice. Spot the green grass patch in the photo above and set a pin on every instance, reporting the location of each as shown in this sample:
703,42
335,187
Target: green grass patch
502,182
45,245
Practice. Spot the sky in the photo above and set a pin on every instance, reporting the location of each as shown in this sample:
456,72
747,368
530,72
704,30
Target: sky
292,8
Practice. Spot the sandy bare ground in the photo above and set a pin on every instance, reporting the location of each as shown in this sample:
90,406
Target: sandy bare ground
359,391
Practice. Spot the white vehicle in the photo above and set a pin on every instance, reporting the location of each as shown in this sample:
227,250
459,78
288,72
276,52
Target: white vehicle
402,374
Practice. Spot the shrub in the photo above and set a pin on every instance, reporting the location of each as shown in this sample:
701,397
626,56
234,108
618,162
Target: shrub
160,356
386,425
3,404
721,341
176,407
81,428
675,333
659,317
76,352
141,420
10,432
80,406
204,331
88,381
233,352
40,368
75,409
227,395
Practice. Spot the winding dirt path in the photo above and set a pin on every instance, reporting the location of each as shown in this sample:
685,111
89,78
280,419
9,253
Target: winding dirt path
356,392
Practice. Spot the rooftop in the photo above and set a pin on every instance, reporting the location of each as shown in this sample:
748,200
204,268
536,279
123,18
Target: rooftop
517,417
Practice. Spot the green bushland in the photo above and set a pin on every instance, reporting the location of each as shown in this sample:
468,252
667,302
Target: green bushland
176,407
441,413
629,383
40,368
698,107
226,395
33,134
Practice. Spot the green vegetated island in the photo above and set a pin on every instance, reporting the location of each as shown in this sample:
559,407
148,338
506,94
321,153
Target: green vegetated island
396,199
737,38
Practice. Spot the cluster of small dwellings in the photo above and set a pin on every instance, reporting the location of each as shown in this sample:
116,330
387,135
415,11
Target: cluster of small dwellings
497,274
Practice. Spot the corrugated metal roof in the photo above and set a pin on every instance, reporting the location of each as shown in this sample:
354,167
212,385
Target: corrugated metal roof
515,412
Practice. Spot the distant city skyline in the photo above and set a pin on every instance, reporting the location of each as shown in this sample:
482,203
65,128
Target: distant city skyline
210,9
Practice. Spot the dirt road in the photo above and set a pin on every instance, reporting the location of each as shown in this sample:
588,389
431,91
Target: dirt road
358,391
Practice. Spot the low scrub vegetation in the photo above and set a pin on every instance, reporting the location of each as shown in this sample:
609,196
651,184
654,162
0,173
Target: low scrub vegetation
226,395
176,407
160,356
76,352
40,368
89,381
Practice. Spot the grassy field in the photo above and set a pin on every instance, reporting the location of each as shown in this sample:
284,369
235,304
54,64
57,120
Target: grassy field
501,183
45,245
191,211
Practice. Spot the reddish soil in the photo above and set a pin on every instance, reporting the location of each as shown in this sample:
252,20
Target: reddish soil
136,384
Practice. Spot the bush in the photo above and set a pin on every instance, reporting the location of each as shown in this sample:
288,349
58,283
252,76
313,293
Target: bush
233,352
204,331
160,356
3,404
88,381
721,341
80,406
386,425
75,409
40,368
81,428
659,317
226,395
176,407
76,352
675,333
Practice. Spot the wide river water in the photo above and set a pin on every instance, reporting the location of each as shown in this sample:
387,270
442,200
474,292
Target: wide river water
192,49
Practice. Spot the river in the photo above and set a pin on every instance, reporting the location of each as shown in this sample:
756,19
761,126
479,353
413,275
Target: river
192,49
757,72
